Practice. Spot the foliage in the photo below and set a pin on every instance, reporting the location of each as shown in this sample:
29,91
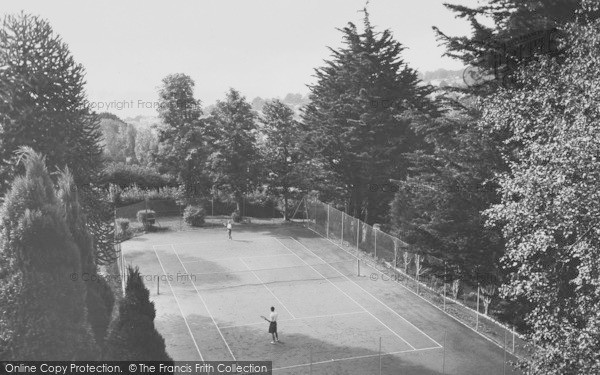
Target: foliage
194,215
134,194
281,151
236,216
182,146
99,299
44,104
550,209
123,229
133,336
358,124
438,208
233,163
118,139
125,175
146,146
42,308
146,218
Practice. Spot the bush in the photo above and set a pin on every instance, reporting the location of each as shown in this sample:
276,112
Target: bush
133,336
236,217
123,229
146,218
194,215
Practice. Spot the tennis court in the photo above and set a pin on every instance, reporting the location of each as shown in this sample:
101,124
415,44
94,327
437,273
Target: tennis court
210,294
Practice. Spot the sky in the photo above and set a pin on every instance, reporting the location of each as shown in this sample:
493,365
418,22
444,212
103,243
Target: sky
265,48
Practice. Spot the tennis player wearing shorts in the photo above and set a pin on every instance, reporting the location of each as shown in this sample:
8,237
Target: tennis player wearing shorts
273,325
229,227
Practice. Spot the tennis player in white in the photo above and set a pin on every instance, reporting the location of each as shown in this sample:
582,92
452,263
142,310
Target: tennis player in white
273,325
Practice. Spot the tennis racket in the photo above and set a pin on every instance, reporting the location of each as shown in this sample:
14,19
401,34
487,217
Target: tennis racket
265,318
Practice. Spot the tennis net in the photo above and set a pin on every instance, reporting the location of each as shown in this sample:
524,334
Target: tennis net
292,275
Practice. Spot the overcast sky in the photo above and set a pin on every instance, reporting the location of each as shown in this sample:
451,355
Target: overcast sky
262,48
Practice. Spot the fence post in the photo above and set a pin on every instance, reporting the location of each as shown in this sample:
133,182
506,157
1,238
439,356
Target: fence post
315,214
342,227
395,256
513,339
444,286
158,286
357,235
477,319
504,363
375,252
327,227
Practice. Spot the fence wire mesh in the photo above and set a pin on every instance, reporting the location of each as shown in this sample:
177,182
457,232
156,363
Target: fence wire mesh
425,275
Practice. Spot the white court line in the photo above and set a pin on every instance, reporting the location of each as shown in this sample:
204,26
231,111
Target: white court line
424,299
224,240
232,258
266,287
299,318
352,299
351,358
375,298
205,305
178,305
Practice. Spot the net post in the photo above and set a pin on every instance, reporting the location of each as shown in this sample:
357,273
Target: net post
444,355
327,226
311,360
357,266
379,355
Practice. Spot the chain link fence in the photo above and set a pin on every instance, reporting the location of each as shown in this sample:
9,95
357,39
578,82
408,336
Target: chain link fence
420,273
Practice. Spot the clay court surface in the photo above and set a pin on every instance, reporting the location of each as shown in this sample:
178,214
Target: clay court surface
212,292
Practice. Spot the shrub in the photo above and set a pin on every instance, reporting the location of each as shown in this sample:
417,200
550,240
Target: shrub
194,215
123,229
236,217
146,218
135,194
133,336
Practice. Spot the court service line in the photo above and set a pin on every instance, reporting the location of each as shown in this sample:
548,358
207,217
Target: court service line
298,318
346,294
178,305
205,242
205,306
267,288
351,358
232,258
372,296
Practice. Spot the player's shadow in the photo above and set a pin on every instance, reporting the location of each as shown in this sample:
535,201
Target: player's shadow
296,351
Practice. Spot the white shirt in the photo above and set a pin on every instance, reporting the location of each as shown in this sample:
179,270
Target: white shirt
228,225
273,316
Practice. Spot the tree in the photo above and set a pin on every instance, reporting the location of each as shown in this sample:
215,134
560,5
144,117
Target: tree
133,336
358,124
233,163
550,209
146,146
44,104
118,139
182,148
281,151
42,298
98,295
438,208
